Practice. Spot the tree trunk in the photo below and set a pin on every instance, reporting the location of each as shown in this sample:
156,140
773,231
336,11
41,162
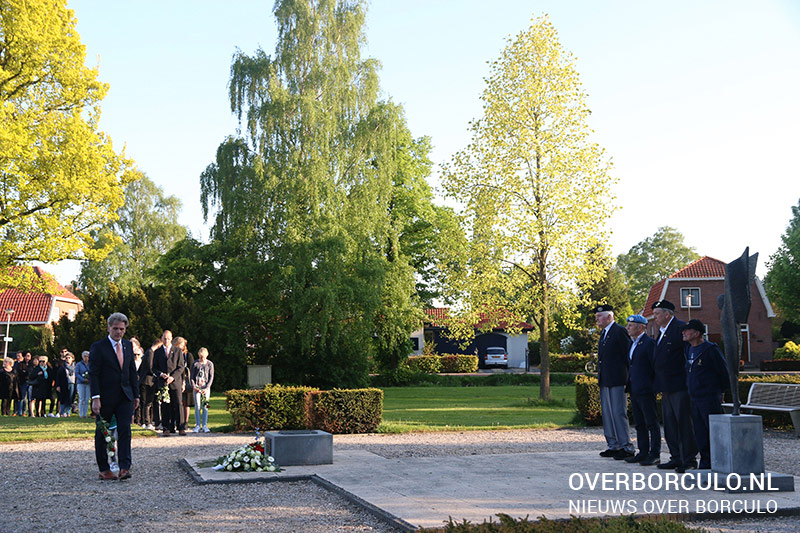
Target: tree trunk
544,348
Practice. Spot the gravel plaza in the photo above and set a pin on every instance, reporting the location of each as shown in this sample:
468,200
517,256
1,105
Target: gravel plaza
377,483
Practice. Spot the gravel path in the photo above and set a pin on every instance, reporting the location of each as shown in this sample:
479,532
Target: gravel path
45,483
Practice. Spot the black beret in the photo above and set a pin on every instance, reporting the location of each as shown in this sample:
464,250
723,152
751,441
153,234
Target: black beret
695,324
603,307
664,304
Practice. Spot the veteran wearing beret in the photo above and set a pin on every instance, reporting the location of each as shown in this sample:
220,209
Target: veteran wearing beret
643,398
612,376
670,381
706,379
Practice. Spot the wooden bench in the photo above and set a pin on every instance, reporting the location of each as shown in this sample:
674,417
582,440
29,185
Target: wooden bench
780,397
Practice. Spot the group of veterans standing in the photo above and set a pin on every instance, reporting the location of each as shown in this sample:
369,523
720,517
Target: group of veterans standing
688,371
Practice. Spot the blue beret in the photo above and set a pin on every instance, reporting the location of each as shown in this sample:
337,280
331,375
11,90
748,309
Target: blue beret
637,319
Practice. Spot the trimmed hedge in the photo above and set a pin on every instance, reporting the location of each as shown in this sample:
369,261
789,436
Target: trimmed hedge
430,364
573,362
587,399
779,365
346,411
459,363
273,407
276,408
409,378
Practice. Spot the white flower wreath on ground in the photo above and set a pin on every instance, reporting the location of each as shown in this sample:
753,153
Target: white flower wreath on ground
248,458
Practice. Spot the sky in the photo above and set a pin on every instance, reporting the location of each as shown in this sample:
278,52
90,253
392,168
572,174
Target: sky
695,102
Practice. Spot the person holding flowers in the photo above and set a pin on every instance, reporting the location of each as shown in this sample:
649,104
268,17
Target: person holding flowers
115,393
201,377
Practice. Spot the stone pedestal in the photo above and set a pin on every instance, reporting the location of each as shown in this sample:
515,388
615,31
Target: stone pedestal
300,447
737,444
737,447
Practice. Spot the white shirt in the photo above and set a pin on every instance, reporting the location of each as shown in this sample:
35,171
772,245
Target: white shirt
662,330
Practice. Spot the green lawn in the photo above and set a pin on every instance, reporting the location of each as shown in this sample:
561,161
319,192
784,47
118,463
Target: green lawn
25,429
405,409
475,408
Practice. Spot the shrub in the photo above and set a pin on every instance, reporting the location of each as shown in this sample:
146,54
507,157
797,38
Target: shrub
574,362
459,363
346,410
430,364
790,351
616,524
781,365
587,399
273,407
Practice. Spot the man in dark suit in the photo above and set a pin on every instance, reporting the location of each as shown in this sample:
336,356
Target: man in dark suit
159,367
670,368
612,359
147,389
115,392
170,372
643,399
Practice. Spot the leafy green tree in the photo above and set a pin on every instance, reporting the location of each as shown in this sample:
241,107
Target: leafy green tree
60,176
535,191
783,278
652,260
147,227
308,219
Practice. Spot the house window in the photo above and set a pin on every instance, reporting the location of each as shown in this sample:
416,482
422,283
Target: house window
690,297
415,343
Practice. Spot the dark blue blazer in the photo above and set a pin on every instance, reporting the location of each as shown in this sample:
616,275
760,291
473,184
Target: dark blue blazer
670,361
707,374
612,356
642,369
106,379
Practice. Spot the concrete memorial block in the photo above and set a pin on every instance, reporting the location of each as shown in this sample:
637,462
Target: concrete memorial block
737,447
300,447
737,444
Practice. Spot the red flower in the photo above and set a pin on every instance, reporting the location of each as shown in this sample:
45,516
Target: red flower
258,448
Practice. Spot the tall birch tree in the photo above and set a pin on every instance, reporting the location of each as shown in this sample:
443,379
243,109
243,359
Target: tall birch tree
535,191
305,203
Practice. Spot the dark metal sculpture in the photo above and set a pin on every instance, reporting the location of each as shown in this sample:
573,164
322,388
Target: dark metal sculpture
735,305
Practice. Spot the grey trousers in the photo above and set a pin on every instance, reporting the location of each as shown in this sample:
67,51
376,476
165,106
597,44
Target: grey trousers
614,409
678,433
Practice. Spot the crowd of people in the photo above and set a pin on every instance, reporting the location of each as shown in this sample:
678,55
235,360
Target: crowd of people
689,372
170,380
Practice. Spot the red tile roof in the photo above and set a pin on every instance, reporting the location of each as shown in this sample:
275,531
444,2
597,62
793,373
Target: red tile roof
33,307
439,315
705,267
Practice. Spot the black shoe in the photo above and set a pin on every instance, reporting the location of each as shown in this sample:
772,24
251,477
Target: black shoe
669,465
686,466
650,460
636,458
623,454
608,453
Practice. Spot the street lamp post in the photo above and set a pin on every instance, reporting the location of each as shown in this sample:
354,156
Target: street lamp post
7,339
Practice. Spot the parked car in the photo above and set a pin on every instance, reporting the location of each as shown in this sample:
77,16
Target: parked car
496,356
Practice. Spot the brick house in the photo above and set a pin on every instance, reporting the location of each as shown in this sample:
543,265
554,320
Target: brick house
39,308
435,331
695,289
